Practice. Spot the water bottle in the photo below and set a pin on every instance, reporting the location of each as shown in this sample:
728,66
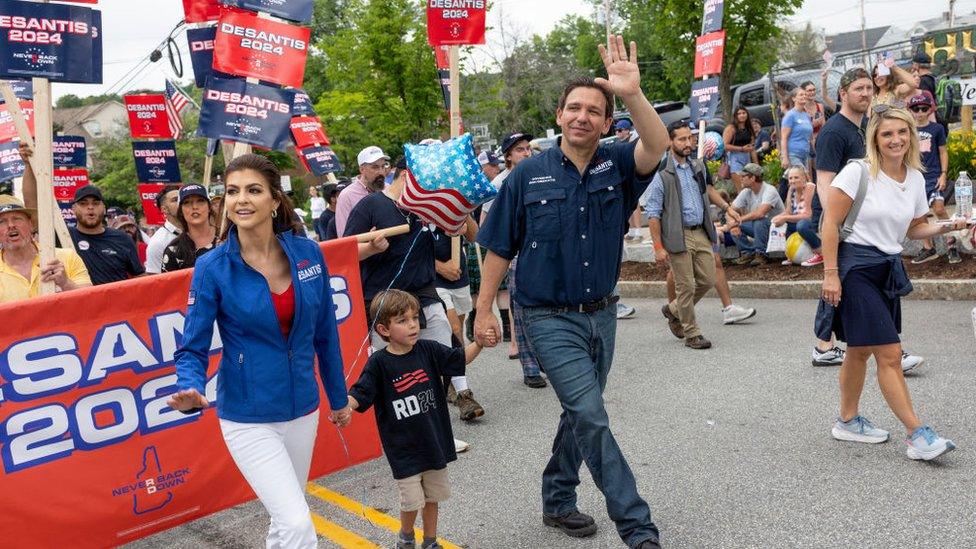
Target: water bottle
964,196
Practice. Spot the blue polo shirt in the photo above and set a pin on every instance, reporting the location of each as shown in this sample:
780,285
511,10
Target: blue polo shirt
567,229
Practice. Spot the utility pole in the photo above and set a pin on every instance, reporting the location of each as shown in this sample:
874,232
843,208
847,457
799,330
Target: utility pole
864,40
952,13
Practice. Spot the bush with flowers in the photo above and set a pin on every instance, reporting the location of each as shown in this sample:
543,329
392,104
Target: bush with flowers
772,170
962,153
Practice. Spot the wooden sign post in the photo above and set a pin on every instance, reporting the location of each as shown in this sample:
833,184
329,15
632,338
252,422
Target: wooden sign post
455,55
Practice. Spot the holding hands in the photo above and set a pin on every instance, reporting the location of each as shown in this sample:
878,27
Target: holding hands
342,417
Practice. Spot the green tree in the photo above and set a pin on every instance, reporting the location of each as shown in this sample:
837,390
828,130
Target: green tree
801,47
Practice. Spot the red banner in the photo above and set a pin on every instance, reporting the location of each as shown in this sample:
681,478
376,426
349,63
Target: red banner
147,196
147,116
249,46
92,456
66,181
8,131
448,25
199,11
307,131
709,50
443,57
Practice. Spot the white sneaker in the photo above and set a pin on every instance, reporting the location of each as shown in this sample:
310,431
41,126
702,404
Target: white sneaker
460,446
858,429
909,363
733,313
625,311
925,444
831,357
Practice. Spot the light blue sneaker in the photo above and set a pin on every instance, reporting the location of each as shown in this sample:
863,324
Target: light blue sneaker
924,443
858,429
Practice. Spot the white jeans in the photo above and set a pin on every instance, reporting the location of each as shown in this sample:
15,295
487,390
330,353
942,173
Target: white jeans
275,459
438,329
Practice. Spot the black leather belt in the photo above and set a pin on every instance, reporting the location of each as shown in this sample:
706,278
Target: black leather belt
591,306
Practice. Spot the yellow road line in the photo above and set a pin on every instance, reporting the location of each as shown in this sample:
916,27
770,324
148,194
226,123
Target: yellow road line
339,535
372,515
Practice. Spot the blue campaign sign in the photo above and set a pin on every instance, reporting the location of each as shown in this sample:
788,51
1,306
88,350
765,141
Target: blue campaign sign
320,160
235,110
302,105
704,99
712,16
295,10
54,41
23,89
11,164
70,152
156,161
201,42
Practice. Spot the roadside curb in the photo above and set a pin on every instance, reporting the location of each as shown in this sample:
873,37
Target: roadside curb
940,290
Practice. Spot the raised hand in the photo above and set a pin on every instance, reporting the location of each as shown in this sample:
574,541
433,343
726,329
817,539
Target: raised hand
187,400
623,75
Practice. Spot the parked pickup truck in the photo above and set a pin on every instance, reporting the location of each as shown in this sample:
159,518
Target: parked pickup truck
757,96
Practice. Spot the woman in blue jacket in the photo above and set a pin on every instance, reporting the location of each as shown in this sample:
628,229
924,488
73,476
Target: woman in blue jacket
268,290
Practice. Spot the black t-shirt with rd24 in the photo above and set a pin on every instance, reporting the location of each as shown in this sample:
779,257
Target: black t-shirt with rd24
410,405
110,256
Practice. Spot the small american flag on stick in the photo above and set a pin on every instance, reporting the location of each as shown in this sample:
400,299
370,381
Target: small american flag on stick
445,182
176,101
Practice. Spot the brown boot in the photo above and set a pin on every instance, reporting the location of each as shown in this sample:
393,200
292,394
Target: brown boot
698,342
470,409
673,322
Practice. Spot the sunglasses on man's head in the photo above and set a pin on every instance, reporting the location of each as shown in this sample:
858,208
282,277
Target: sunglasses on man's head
920,108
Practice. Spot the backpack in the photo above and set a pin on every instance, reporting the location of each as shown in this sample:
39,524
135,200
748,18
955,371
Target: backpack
948,97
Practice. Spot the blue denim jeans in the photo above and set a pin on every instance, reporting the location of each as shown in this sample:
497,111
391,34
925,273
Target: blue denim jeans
808,231
754,237
576,350
530,366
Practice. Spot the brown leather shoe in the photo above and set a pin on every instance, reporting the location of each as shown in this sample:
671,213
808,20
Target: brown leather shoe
698,342
673,322
470,409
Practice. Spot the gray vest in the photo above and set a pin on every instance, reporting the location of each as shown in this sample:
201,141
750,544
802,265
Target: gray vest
672,228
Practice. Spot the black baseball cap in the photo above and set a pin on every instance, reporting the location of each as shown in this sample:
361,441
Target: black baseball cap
513,138
88,191
922,58
186,191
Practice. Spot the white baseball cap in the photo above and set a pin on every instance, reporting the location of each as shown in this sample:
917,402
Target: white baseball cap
370,155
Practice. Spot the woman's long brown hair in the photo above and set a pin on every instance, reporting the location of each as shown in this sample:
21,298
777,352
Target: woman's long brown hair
286,220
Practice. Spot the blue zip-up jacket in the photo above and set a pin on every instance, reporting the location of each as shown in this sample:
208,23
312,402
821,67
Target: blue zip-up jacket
263,377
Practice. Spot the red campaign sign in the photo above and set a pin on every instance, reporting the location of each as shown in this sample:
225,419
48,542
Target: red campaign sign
443,57
456,22
307,131
147,196
8,130
200,11
89,444
709,50
147,116
249,46
68,180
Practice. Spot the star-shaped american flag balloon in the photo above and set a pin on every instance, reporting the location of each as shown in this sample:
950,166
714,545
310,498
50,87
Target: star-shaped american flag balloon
445,182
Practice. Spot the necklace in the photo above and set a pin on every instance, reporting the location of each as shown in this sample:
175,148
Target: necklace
406,215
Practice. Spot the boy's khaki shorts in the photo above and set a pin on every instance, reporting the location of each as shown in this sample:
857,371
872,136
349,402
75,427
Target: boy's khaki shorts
426,487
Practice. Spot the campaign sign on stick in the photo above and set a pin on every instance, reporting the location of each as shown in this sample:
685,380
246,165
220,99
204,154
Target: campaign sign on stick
85,424
200,11
456,23
70,151
307,130
147,197
249,46
147,116
712,17
295,10
235,110
67,181
53,41
201,42
704,99
303,104
709,50
319,160
23,89
8,130
156,161
11,164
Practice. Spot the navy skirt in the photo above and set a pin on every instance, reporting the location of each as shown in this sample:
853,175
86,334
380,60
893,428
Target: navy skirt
865,315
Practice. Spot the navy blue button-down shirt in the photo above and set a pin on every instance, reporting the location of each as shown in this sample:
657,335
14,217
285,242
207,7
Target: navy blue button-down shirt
567,229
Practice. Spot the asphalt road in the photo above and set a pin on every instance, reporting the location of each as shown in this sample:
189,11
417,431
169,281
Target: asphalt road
730,446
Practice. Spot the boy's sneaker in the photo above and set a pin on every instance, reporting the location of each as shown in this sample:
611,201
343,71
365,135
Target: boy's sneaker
924,255
953,254
817,259
926,444
404,543
831,357
733,313
470,409
909,363
858,429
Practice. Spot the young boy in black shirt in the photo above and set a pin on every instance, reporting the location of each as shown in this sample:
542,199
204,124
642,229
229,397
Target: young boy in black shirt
403,381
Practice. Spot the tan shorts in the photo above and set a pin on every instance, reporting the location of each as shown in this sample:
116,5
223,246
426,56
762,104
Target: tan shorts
429,486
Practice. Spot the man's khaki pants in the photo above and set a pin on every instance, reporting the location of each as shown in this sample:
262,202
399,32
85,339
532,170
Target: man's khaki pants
694,275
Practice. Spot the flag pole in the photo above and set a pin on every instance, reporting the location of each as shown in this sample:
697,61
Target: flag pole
455,55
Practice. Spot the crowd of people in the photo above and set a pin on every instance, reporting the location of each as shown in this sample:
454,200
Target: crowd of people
543,278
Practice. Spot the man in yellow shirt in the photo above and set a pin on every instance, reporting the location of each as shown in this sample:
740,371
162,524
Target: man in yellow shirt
20,269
